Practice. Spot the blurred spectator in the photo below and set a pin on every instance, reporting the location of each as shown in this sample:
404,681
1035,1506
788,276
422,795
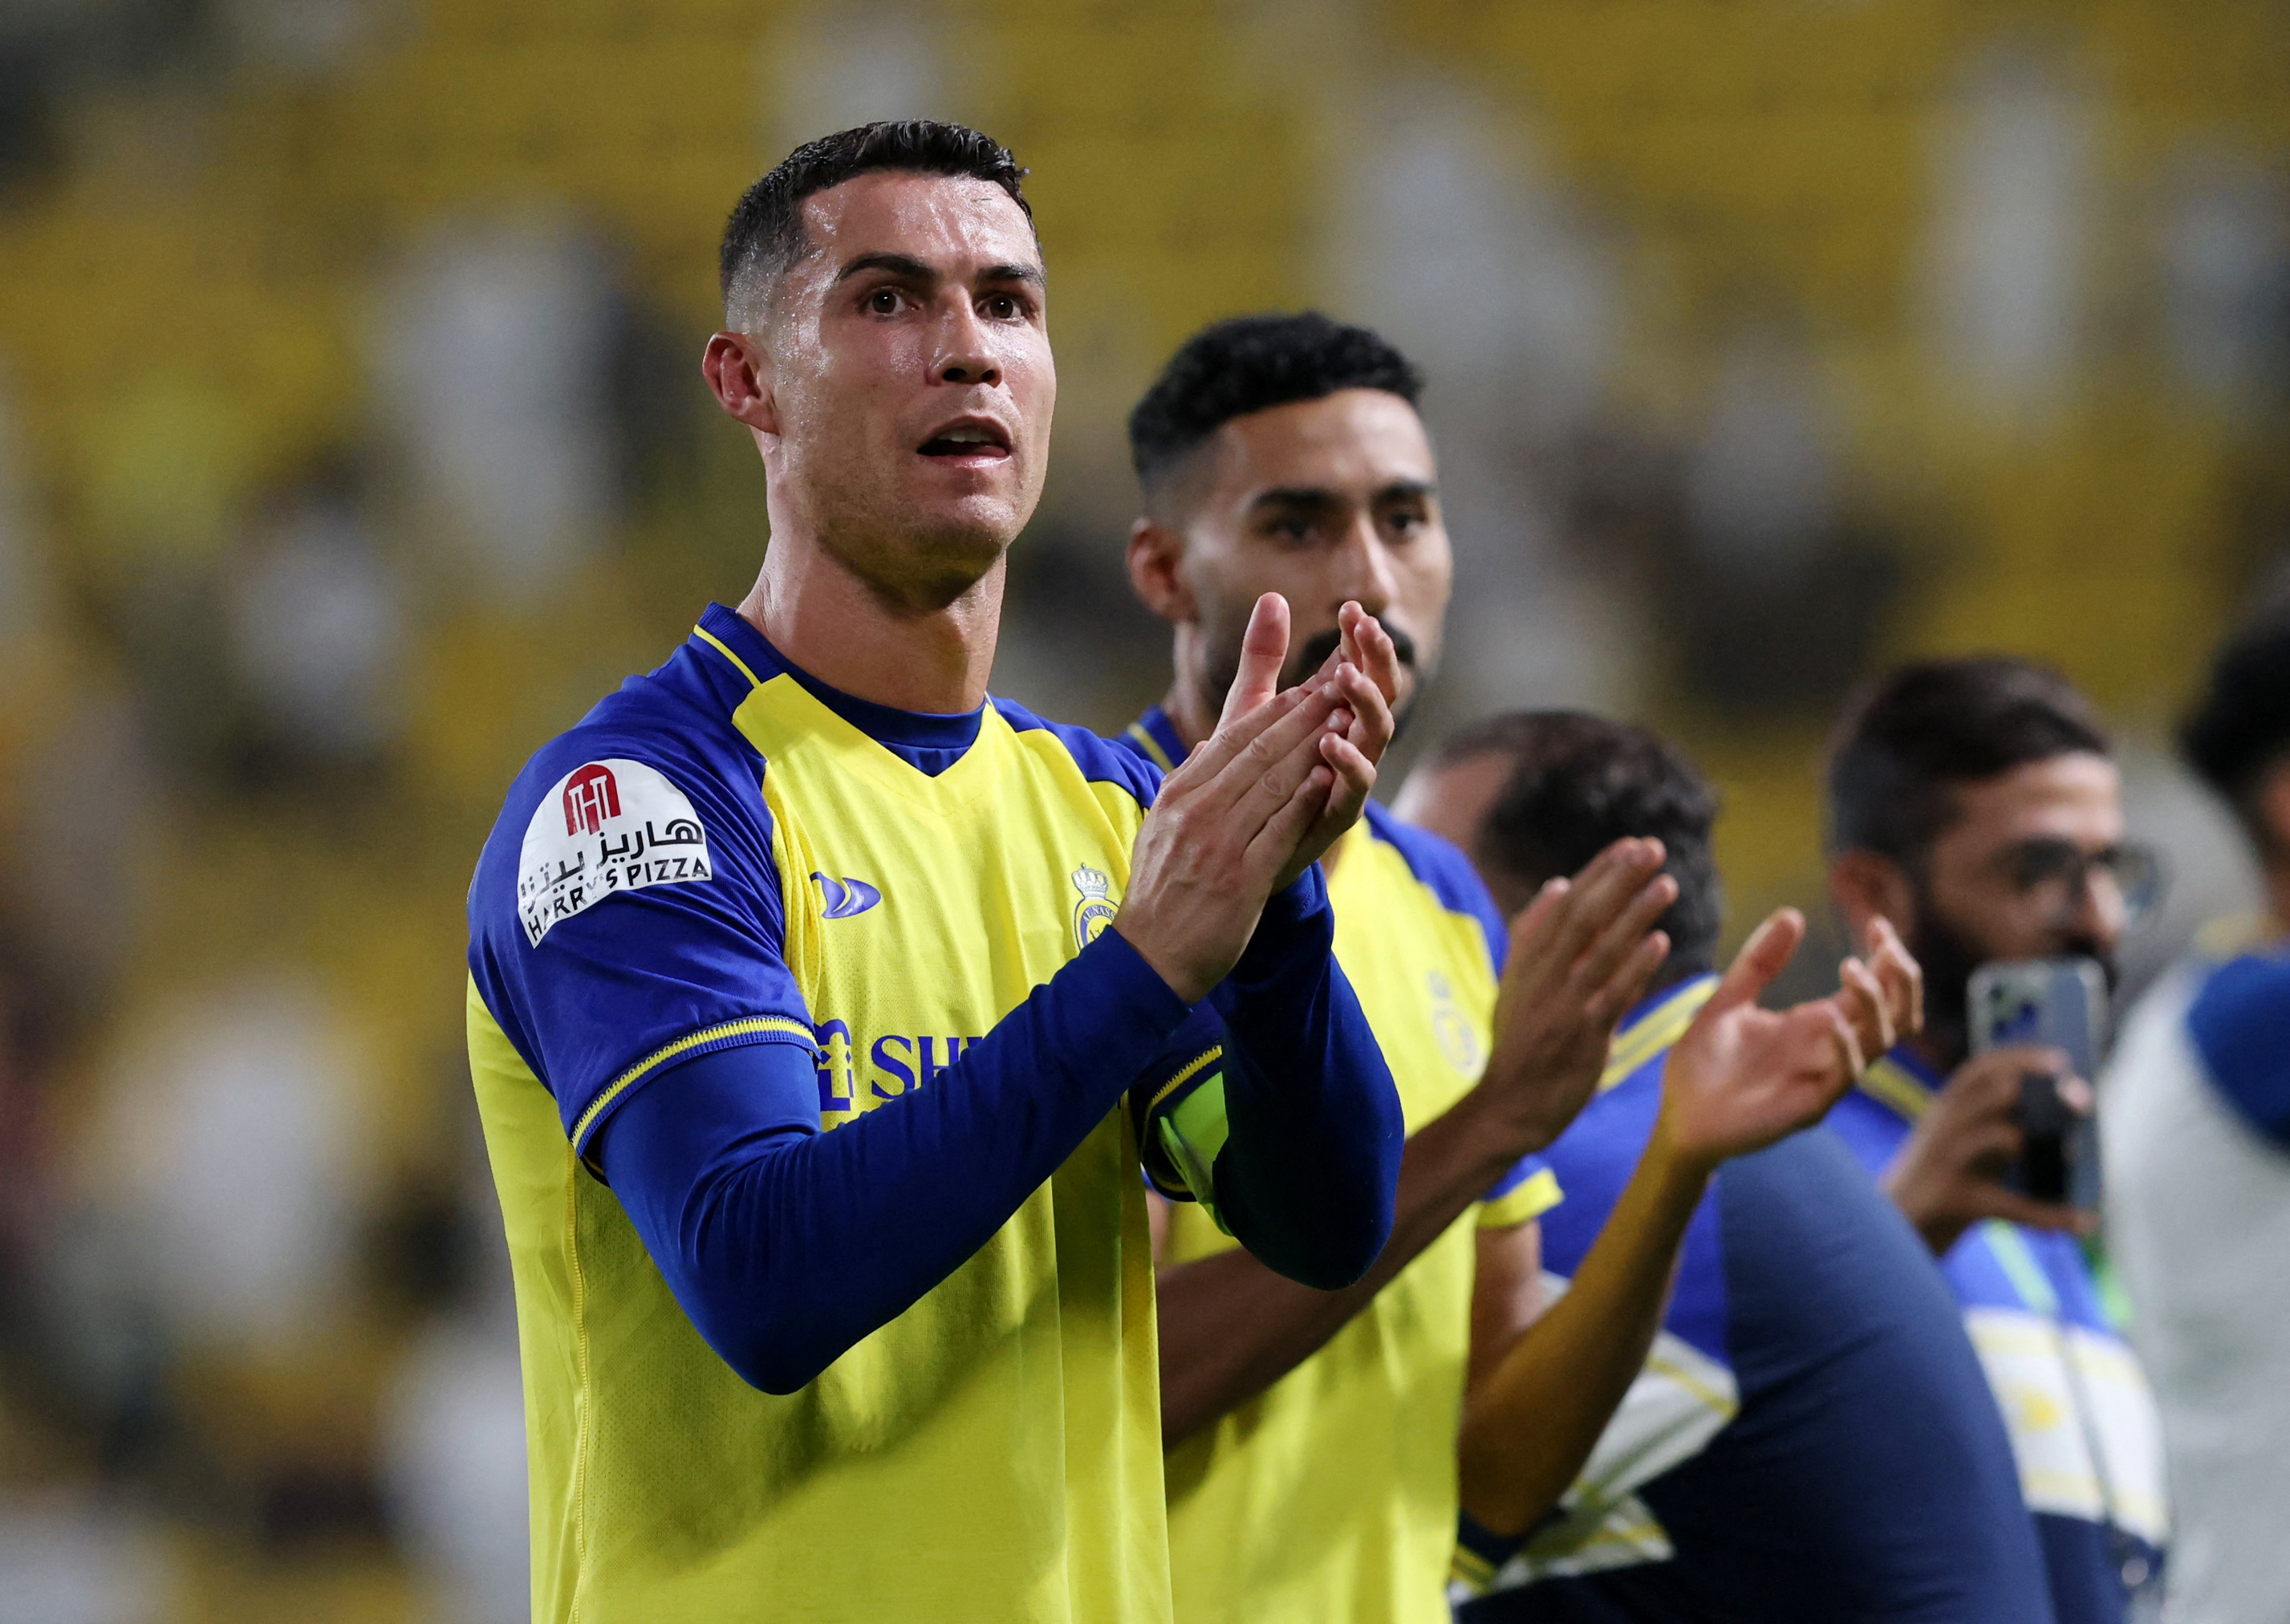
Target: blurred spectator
317,634
229,1144
2196,1114
494,355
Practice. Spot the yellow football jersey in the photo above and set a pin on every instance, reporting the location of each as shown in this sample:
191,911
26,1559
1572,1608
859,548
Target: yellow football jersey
993,1454
1332,1498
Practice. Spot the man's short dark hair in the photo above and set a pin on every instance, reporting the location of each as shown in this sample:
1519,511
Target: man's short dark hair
1909,741
2241,726
1578,783
764,237
1254,363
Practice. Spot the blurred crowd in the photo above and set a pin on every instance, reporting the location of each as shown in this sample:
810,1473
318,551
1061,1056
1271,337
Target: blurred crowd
351,442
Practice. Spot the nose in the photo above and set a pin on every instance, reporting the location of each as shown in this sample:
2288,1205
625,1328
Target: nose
964,353
1362,567
2097,911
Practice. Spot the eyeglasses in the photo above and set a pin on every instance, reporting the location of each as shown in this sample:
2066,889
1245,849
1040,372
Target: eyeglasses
2056,876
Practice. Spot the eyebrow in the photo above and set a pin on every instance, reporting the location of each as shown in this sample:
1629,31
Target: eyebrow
1319,497
909,268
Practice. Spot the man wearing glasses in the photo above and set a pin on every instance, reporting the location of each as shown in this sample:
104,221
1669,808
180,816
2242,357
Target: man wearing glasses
1975,801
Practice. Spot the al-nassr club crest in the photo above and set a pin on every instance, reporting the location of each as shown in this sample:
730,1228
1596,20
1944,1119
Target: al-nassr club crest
1097,906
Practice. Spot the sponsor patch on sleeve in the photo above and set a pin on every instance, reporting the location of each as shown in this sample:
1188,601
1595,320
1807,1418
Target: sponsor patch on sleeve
607,826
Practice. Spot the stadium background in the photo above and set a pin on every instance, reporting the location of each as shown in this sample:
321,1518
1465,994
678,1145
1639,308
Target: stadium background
351,442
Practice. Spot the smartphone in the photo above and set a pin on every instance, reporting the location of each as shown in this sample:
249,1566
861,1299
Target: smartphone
2051,1003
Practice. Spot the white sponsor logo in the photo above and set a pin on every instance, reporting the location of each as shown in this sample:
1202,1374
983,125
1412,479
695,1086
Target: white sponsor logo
607,826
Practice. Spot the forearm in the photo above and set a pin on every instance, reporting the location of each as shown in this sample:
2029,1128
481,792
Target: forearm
1231,1326
1307,1175
786,1245
1530,1426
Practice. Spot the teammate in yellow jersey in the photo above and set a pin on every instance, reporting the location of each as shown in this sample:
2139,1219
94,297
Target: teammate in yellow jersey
1313,1466
808,984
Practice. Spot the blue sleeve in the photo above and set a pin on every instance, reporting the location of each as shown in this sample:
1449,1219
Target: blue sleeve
626,914
1310,1169
786,1244
2240,1024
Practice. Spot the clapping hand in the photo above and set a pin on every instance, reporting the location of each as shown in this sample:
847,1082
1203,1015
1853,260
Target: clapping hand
1285,773
1742,1076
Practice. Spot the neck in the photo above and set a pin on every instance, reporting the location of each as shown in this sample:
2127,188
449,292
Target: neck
1191,709
852,635
2278,900
1943,1057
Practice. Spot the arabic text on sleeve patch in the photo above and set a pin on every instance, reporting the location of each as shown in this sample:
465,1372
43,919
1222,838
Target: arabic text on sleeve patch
607,826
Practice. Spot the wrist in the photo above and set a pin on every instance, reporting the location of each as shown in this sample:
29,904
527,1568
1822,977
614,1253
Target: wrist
1295,924
1500,1126
1929,1218
1186,981
1674,1161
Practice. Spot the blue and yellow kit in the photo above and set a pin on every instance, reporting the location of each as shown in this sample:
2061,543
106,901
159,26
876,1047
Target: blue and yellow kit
726,853
1332,1495
2083,1421
1809,1439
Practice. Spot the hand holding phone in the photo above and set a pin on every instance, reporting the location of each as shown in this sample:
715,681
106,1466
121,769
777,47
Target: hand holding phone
2060,1004
1953,1171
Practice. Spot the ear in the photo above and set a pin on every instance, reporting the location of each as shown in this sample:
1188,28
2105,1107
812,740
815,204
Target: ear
1865,883
2273,804
1156,558
739,373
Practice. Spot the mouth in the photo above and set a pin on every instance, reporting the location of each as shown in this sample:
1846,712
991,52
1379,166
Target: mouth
968,439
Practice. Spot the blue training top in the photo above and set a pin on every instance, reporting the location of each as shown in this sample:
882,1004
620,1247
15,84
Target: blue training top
2075,1404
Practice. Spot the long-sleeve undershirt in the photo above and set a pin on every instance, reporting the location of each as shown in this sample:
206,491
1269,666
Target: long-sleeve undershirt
786,1244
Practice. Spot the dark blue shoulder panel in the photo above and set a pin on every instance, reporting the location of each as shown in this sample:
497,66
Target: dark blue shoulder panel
1440,867
626,911
1102,761
2241,1023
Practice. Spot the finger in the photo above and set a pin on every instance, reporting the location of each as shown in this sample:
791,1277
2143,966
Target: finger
1603,890
1268,851
1534,919
1263,651
1621,995
1234,734
1900,968
1376,653
2013,1207
1867,1005
1761,959
1850,1054
1372,727
1355,777
1613,944
2076,1094
1265,768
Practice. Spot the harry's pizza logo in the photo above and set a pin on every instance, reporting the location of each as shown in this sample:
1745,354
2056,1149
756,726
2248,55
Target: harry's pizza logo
591,796
1097,906
607,826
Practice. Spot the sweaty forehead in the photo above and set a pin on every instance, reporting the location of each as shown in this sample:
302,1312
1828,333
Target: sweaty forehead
952,223
1353,441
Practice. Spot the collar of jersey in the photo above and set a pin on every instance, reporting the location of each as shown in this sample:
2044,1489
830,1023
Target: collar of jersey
929,742
1156,736
1653,1027
1900,1082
